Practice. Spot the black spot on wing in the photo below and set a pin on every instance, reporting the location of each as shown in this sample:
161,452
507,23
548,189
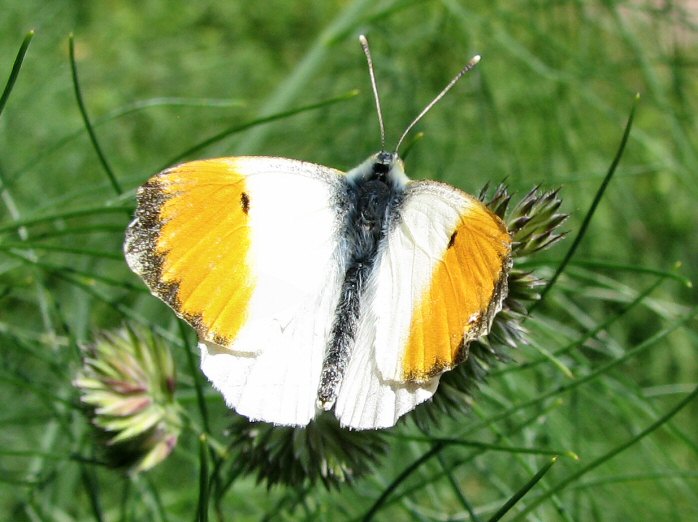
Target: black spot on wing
452,240
245,202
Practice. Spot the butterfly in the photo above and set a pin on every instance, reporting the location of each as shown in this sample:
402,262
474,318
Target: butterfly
316,290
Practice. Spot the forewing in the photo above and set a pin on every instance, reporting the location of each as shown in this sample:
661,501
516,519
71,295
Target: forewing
247,251
443,275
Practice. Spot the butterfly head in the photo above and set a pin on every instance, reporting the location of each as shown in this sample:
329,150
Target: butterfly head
383,161
386,167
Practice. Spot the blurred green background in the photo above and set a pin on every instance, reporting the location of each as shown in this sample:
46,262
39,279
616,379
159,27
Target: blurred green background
547,105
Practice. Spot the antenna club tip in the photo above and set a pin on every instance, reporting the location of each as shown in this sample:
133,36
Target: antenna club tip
475,59
362,39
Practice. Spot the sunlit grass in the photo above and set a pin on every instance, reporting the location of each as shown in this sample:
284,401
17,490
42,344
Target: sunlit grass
612,356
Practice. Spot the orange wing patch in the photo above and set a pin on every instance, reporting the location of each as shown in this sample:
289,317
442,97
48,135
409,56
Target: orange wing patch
191,239
466,289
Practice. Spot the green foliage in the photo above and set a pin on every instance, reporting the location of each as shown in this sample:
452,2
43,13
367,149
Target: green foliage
610,370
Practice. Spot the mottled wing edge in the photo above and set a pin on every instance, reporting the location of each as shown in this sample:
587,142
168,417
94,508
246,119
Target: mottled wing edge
140,244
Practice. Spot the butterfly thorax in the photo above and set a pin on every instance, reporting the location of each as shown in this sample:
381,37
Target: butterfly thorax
374,190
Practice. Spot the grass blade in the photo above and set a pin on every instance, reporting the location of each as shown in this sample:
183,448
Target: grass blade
435,449
522,492
86,119
609,455
254,123
604,368
202,509
595,203
15,70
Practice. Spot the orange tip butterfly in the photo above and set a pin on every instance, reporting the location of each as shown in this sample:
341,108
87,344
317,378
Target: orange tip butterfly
313,289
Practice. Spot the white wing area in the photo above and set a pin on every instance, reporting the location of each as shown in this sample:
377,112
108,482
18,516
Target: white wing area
366,400
373,393
271,371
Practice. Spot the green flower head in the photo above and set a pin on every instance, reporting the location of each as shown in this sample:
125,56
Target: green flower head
127,382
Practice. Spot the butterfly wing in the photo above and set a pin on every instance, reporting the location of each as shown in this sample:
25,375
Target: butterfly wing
439,279
247,251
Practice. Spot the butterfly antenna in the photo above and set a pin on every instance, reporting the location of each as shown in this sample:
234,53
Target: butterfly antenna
472,63
367,52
